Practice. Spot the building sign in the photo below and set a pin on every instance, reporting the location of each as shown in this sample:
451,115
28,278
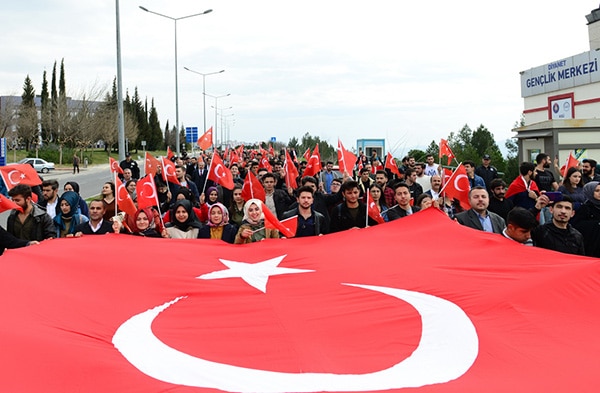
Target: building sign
561,108
581,69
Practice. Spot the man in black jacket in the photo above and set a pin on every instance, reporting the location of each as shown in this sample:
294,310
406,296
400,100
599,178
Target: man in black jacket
310,221
96,225
559,235
33,223
351,213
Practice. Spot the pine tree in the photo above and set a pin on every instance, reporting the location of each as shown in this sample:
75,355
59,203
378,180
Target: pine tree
156,137
28,121
46,109
53,106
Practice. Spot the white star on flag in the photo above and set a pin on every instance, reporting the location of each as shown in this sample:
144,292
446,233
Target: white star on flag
255,274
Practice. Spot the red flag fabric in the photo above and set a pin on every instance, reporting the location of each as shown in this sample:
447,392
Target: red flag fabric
446,151
271,150
114,166
346,159
291,172
8,204
313,166
151,165
170,153
146,192
264,163
252,188
306,155
571,162
167,320
390,164
234,158
219,173
457,187
372,209
124,201
168,171
520,185
14,174
206,140
272,222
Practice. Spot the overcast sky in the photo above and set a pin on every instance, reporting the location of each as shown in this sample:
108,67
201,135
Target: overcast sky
409,72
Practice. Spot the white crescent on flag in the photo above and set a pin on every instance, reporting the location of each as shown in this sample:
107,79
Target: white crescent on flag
144,193
457,180
11,178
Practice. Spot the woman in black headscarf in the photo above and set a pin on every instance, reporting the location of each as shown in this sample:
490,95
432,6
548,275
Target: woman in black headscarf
83,207
184,223
587,219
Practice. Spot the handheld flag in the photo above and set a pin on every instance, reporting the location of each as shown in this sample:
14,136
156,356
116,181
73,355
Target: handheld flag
151,164
313,166
206,140
390,164
219,173
146,192
124,201
457,187
14,174
114,166
252,188
271,221
446,151
346,159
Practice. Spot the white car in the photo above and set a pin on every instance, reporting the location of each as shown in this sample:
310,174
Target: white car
38,164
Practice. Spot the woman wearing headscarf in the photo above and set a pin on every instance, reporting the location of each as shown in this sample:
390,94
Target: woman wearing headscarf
587,219
68,216
83,207
253,225
212,197
142,224
184,223
218,224
183,194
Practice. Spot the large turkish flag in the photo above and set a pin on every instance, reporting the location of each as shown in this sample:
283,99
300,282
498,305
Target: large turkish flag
467,312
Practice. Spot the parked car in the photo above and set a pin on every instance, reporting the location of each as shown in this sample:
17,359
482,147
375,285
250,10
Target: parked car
38,164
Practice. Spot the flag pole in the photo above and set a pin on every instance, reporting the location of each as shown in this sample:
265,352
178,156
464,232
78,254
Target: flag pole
208,173
116,192
367,215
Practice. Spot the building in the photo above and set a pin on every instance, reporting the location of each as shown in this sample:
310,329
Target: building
562,104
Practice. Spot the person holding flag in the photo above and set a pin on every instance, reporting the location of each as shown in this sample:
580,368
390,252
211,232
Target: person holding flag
253,225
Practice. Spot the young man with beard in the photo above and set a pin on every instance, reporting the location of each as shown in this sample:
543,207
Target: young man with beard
559,235
410,180
96,225
278,201
542,176
50,194
310,221
381,178
33,223
478,216
498,204
589,171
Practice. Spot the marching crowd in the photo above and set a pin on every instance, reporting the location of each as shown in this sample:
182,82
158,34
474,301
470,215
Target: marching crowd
535,209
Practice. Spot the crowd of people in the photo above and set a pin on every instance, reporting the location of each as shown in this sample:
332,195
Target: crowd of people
536,208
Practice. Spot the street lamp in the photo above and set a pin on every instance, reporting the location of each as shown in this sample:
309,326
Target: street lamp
176,83
204,90
221,110
216,98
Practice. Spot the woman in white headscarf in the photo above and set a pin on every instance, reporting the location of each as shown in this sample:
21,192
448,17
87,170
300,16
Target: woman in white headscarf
253,225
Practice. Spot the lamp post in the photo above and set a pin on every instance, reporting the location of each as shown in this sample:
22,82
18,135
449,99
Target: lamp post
176,83
204,75
216,108
221,110
120,115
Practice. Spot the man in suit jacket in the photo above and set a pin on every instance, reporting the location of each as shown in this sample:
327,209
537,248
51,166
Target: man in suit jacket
478,216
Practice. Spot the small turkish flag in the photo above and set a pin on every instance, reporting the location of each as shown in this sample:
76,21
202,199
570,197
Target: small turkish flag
346,159
390,164
124,201
206,140
372,210
252,188
288,229
446,151
291,172
572,162
313,166
152,164
146,192
168,171
170,153
219,173
114,166
272,317
457,187
14,174
8,204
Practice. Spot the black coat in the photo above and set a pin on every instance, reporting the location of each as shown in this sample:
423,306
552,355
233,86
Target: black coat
587,221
